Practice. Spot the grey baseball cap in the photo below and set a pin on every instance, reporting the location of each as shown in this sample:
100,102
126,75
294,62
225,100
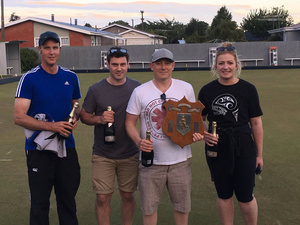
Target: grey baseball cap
48,35
162,54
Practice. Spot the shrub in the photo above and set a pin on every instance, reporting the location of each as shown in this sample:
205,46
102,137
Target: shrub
29,59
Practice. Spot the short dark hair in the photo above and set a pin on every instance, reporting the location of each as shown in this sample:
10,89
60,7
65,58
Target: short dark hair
117,52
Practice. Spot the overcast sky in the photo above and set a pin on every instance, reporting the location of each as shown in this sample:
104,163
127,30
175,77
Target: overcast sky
101,12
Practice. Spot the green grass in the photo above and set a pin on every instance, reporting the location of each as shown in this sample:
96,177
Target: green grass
277,193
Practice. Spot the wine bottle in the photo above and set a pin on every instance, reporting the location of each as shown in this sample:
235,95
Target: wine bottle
212,152
70,117
147,157
109,131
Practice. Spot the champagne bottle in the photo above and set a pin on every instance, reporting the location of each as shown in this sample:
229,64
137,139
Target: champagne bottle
70,117
109,131
212,152
147,157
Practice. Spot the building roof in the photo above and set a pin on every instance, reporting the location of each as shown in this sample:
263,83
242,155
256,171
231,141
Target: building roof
130,29
68,26
294,27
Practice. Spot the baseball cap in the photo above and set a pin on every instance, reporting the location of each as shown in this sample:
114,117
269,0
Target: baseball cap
162,54
48,35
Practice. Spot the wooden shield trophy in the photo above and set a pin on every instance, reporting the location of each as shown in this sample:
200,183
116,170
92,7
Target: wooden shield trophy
183,118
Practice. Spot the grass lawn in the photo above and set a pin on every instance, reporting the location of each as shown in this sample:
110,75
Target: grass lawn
277,189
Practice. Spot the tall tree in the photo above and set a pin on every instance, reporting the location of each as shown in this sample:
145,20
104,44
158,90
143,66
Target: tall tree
14,17
223,28
195,31
259,21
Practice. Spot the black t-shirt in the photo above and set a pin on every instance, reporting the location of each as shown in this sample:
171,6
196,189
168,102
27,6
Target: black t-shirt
230,105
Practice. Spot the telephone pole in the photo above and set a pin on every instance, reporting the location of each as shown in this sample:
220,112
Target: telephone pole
142,12
2,21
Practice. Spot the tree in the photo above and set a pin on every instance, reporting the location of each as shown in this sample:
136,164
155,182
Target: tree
259,21
172,29
120,22
195,31
14,17
29,59
223,28
222,14
88,25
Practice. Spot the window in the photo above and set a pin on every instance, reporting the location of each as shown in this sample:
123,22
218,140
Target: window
64,41
93,42
36,42
98,41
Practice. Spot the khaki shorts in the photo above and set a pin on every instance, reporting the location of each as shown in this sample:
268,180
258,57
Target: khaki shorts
105,170
177,178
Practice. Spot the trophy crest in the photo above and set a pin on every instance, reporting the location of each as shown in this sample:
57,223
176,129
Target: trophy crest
183,118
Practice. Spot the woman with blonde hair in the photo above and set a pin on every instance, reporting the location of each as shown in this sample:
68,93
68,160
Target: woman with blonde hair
234,154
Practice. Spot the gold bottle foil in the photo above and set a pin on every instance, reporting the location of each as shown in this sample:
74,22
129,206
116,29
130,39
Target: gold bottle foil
214,132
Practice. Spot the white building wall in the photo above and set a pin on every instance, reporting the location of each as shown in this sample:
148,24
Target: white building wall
3,63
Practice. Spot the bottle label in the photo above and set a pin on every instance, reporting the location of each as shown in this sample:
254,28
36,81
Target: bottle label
146,162
110,138
211,153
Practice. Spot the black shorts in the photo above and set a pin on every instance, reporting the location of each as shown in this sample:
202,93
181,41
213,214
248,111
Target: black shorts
240,178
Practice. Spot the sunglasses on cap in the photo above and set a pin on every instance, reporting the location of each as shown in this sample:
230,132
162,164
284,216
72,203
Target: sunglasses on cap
228,48
163,97
119,50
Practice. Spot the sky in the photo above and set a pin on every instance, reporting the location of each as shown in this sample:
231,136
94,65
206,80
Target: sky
100,12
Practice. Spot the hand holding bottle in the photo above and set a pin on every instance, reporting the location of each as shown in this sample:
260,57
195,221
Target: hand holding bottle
212,141
70,122
107,117
212,138
145,145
